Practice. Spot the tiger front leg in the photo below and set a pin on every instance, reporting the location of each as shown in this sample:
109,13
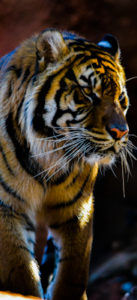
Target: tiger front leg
18,269
74,240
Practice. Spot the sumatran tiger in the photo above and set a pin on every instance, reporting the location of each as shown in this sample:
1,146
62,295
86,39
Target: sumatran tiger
63,104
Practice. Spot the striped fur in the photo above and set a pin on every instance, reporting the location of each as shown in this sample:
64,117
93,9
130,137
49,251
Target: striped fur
58,95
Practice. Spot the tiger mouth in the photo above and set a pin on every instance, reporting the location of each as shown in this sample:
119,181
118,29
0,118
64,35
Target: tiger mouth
113,150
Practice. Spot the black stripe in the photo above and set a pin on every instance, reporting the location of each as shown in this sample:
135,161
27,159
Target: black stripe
30,225
71,202
26,249
70,75
8,210
11,68
5,206
19,110
79,49
30,228
30,241
9,92
90,76
66,258
5,160
38,121
76,97
104,59
78,43
87,113
60,112
25,76
108,68
96,100
62,178
94,49
97,138
95,81
95,65
73,181
96,55
18,71
82,77
84,59
10,191
73,220
23,153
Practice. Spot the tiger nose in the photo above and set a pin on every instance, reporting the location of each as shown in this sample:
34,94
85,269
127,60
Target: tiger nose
117,133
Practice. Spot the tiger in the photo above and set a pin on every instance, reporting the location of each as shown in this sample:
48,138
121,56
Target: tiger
63,104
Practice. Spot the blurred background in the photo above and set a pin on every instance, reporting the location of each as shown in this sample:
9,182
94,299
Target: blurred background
115,222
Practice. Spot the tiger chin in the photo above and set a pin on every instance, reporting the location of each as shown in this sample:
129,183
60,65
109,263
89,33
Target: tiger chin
63,104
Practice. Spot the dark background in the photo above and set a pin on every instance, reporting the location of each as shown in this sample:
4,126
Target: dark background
115,223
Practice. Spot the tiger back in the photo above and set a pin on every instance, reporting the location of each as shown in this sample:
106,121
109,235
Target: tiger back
63,103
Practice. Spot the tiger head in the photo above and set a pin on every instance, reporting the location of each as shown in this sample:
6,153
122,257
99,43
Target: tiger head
80,97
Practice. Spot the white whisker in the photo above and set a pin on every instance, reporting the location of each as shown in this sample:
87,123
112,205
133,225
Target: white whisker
59,161
123,179
131,145
130,153
131,78
112,170
132,135
72,155
54,150
126,164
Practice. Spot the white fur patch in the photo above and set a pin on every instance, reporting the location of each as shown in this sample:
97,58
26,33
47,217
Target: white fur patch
107,160
66,117
86,73
93,158
51,109
80,116
56,42
72,105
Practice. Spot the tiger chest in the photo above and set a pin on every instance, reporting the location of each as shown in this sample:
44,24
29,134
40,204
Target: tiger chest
72,196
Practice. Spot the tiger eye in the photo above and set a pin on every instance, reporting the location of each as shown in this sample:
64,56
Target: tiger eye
122,100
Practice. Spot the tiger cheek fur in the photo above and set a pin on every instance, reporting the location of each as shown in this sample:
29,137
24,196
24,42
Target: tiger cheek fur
63,105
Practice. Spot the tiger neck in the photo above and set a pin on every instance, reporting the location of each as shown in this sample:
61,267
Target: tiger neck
76,174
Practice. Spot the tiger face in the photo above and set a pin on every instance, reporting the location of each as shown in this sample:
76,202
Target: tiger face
79,99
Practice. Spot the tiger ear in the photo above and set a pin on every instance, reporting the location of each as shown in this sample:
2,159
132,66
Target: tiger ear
110,44
50,46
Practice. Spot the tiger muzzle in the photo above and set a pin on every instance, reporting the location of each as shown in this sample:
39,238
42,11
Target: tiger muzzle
117,132
117,125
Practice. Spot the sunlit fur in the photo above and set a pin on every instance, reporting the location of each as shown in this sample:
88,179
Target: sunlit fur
58,95
12,296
